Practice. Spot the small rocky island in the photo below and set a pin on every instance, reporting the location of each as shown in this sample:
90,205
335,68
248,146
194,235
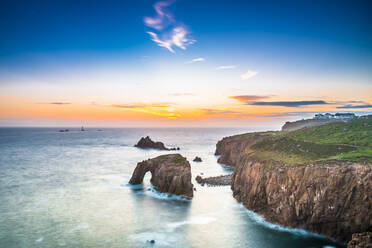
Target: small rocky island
170,174
147,142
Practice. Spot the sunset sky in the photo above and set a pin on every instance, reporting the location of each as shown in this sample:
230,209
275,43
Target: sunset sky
183,62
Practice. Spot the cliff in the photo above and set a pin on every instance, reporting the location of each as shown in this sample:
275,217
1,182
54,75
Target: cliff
169,174
231,148
299,179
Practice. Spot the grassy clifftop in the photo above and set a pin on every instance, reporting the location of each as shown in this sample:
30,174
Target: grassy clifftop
347,141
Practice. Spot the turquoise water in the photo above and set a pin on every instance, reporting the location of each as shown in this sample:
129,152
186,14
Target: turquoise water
70,190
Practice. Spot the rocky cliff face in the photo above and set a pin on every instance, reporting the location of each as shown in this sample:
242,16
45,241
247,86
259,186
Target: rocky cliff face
333,199
169,174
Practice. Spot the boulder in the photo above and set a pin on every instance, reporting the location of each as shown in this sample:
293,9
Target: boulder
170,174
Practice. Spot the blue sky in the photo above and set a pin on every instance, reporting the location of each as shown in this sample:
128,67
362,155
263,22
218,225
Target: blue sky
133,51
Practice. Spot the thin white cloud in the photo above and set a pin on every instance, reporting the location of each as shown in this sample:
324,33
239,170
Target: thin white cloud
166,44
226,67
170,32
195,60
248,75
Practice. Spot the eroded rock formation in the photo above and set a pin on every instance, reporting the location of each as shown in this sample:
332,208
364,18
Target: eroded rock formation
333,198
169,174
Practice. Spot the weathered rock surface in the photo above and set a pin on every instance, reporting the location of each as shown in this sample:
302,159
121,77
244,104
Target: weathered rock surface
197,159
169,174
215,181
361,240
333,199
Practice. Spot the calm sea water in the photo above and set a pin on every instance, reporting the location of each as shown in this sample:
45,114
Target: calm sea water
70,190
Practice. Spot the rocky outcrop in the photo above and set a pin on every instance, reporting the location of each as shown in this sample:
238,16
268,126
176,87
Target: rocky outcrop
361,240
169,174
148,143
215,181
333,199
197,159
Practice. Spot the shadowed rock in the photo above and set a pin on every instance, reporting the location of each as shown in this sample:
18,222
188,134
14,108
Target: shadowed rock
169,174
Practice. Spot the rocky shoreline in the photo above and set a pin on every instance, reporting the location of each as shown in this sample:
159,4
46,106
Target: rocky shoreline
215,181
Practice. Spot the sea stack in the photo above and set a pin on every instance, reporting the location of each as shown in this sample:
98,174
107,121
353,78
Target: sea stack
169,174
147,142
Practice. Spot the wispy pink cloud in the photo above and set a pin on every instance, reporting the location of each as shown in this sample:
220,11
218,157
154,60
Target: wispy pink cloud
162,18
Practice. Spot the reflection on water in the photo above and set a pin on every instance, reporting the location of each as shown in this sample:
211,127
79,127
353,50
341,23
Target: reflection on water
70,190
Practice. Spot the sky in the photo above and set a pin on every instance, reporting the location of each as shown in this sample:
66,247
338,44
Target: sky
182,63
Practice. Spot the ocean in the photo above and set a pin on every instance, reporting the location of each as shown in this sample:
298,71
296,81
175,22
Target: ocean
70,189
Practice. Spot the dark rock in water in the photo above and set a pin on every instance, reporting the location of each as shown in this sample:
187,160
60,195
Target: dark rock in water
197,159
148,143
169,174
215,181
64,130
151,241
360,240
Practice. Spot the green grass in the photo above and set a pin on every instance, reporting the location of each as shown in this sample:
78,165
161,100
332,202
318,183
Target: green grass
348,141
250,135
356,133
179,159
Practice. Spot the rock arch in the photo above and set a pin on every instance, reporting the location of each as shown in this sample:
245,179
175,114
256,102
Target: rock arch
169,174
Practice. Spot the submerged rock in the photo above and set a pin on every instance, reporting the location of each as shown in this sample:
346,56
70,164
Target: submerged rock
169,174
148,143
197,159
